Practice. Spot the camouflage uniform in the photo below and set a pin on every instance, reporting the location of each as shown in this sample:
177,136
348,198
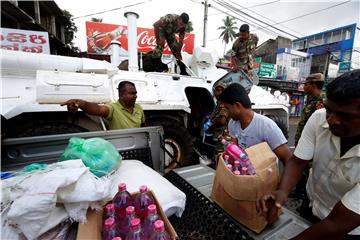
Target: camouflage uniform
167,32
312,104
242,51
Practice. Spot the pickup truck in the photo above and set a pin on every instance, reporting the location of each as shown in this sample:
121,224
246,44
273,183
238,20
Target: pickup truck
202,218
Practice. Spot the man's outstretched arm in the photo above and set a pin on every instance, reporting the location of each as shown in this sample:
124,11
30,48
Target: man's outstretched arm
89,107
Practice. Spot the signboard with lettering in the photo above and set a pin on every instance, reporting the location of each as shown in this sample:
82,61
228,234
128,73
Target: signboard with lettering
24,40
100,35
267,70
344,67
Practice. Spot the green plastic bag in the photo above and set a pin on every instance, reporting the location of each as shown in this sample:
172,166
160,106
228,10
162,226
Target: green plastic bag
34,166
96,153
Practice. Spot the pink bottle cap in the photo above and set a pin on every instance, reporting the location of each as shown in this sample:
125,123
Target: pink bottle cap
223,141
159,226
143,189
109,208
135,223
226,157
237,163
152,209
130,210
122,187
109,223
116,238
236,172
229,166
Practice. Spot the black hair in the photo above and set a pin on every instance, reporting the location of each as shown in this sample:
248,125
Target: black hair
244,28
184,17
235,93
319,84
344,88
123,84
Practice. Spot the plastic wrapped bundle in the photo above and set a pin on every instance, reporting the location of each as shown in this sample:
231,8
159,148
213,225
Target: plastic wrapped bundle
96,153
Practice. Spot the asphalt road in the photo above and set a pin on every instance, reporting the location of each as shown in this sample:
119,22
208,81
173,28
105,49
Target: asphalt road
293,122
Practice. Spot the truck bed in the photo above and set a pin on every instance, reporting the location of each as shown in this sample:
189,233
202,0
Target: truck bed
202,218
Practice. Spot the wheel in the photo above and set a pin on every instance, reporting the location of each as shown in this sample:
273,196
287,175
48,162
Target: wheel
51,129
280,124
177,142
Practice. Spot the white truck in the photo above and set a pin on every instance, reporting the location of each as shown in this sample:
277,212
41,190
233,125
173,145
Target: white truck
34,85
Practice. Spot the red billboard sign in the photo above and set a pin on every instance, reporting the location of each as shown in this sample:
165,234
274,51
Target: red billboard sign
99,36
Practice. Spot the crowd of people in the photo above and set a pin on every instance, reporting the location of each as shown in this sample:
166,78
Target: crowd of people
328,135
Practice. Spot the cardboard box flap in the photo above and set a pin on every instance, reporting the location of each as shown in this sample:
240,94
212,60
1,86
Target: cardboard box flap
252,186
261,155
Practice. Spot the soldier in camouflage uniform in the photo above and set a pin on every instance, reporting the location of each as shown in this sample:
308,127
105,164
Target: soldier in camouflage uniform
315,98
165,29
243,49
219,120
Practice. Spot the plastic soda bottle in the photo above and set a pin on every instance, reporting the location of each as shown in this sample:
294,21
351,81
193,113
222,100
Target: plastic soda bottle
232,150
142,201
230,167
237,166
244,171
226,159
121,201
159,231
148,225
245,162
109,211
109,229
237,172
124,224
135,232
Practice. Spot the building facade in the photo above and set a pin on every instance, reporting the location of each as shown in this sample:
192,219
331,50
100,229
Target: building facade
330,47
44,16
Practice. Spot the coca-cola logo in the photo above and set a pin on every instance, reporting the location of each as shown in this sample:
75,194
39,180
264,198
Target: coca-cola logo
146,40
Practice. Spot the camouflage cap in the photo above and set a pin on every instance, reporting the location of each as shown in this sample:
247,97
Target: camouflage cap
219,84
315,77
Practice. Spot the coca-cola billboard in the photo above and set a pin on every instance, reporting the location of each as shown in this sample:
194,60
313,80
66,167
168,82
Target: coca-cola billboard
99,36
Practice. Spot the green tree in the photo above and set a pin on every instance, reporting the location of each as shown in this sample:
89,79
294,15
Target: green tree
70,29
228,33
189,27
99,20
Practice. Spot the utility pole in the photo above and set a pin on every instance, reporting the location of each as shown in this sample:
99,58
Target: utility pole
206,6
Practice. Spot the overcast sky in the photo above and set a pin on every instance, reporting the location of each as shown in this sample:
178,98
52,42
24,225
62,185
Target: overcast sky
273,12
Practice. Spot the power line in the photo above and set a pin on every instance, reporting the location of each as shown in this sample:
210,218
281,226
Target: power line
310,13
253,6
246,8
110,10
251,24
231,7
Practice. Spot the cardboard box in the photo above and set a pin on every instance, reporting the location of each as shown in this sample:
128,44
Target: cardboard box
91,230
237,195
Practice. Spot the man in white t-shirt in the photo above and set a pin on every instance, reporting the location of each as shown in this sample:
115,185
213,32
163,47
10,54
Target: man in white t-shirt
331,138
249,128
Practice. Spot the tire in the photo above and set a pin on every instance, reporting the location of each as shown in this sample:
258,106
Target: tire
51,129
177,141
280,124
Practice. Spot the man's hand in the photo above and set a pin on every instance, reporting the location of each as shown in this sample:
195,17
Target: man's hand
72,105
270,203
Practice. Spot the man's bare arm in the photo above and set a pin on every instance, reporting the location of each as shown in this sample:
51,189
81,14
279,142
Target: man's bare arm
91,108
